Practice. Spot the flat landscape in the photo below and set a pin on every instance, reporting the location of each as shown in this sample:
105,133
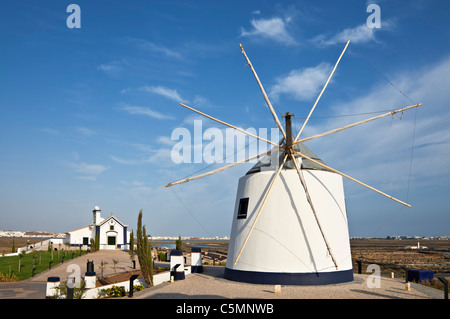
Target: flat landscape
6,243
391,255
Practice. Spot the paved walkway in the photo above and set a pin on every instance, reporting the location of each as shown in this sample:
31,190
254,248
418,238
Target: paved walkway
35,288
211,285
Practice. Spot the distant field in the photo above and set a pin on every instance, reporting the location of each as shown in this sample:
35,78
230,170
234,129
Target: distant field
6,243
441,245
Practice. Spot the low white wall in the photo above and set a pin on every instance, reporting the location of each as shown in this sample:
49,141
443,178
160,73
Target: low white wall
37,246
157,279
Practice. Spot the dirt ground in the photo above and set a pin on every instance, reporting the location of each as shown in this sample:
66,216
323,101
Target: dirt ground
393,257
6,243
117,278
121,277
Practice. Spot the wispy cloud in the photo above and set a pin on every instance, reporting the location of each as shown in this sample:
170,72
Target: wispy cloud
358,34
379,152
112,68
301,84
149,154
88,171
124,161
49,130
85,131
170,94
141,110
273,29
151,46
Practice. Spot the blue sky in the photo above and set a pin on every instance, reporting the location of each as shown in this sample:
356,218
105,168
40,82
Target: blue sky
87,114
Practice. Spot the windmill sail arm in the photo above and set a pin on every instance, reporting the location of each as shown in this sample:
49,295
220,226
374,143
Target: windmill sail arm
275,117
185,180
358,123
232,126
321,92
308,198
260,209
353,179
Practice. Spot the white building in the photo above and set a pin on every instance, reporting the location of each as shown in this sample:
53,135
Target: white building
112,233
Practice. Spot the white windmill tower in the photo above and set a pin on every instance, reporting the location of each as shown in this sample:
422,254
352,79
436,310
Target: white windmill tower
290,222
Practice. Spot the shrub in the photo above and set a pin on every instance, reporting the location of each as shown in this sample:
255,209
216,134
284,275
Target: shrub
144,252
138,287
115,291
162,256
8,278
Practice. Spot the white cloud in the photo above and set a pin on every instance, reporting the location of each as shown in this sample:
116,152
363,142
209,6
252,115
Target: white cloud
358,34
301,84
141,110
148,154
86,131
124,161
273,29
158,48
165,140
378,152
112,68
88,171
165,92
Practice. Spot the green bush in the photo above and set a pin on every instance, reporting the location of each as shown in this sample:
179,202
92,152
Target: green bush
115,291
162,256
138,287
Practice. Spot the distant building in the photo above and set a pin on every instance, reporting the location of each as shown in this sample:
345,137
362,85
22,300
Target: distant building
112,233
416,247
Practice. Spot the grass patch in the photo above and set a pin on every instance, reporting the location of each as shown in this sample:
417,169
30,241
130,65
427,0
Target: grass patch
34,262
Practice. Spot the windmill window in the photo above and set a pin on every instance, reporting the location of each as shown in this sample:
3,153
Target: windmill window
243,207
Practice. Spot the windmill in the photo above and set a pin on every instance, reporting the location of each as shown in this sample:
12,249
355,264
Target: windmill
290,222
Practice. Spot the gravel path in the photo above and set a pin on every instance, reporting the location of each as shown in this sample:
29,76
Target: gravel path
211,285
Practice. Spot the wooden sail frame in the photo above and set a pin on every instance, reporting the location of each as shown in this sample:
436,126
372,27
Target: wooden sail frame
321,92
289,152
266,98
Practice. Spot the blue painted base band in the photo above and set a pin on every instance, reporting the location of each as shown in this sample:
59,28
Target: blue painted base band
279,278
178,275
196,269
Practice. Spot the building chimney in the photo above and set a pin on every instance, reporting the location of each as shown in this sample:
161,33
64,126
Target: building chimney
96,215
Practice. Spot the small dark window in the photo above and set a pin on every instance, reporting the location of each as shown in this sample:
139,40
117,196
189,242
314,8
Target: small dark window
243,206
111,240
111,227
85,240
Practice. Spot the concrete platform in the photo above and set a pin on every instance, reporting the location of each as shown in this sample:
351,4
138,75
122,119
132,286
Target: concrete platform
211,285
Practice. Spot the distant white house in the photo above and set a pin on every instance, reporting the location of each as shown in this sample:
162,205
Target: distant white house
416,247
112,233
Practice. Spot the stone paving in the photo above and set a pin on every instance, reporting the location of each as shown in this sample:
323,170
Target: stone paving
211,284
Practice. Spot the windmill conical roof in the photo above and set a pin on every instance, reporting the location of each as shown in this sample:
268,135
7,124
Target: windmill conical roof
268,161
